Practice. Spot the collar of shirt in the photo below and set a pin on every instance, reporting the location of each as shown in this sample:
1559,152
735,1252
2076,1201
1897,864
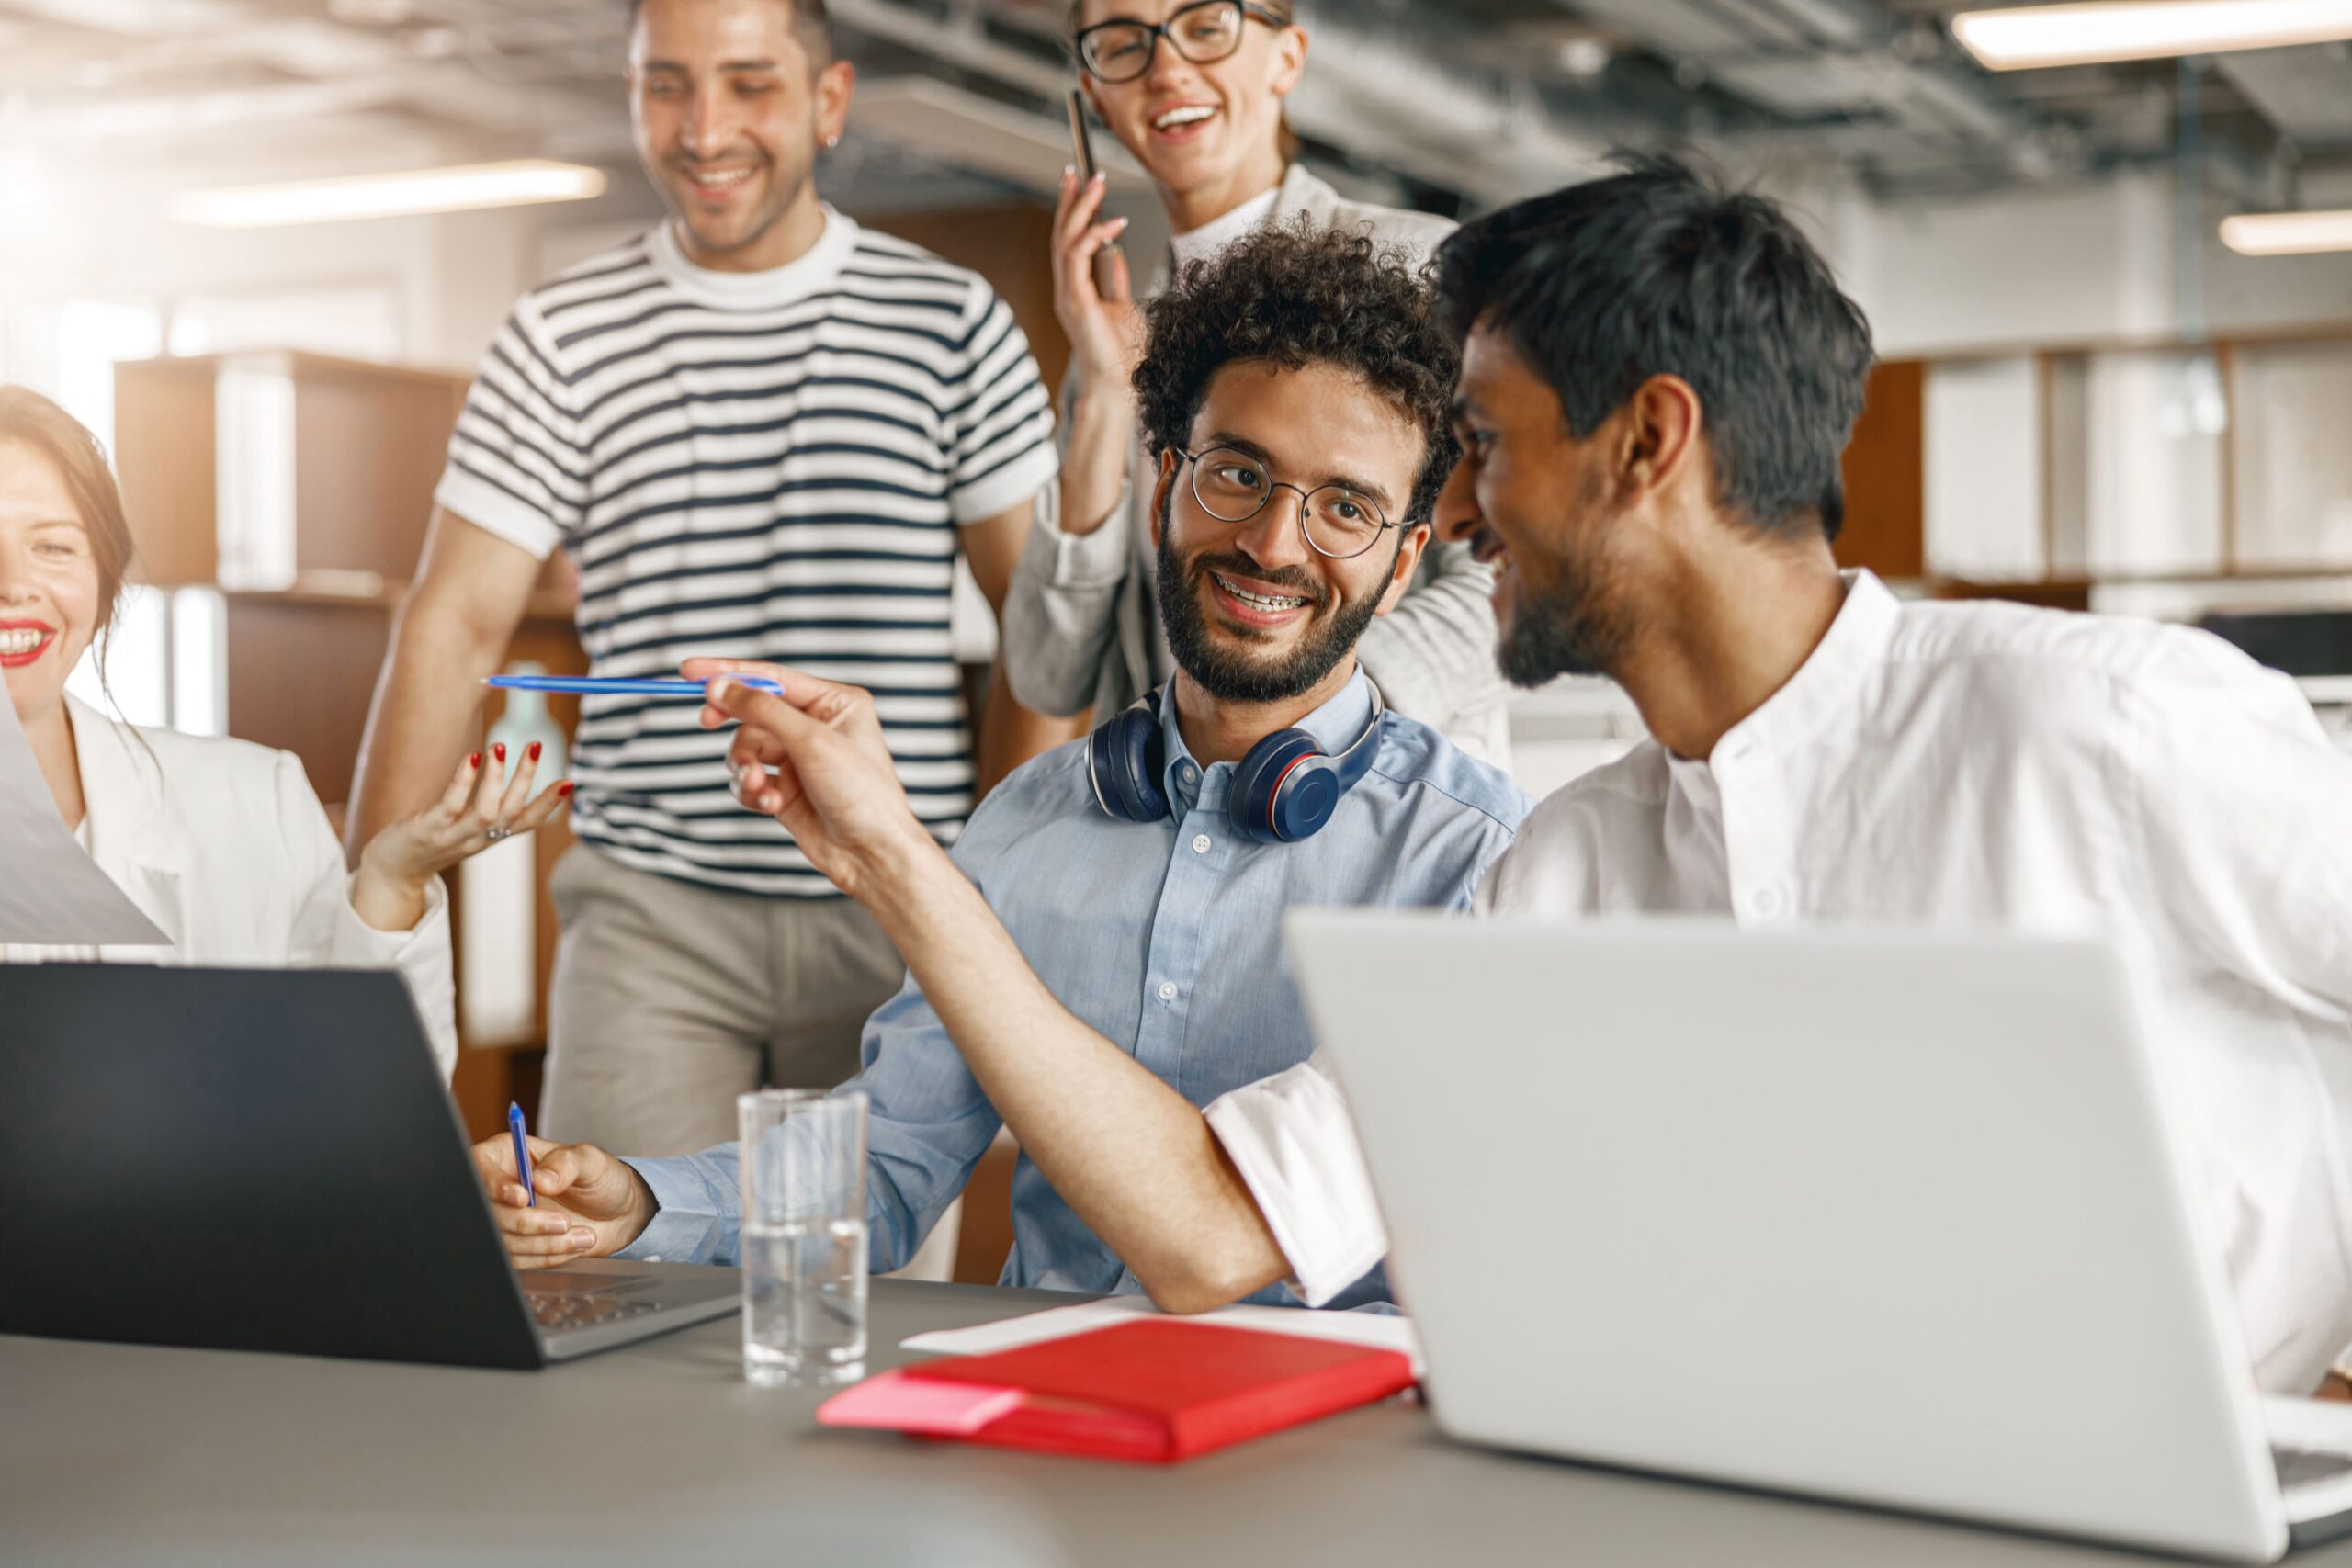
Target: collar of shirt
1336,725
794,281
1827,686
1196,244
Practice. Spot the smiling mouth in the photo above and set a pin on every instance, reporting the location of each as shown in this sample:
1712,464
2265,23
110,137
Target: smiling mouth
1181,116
716,182
1270,604
20,645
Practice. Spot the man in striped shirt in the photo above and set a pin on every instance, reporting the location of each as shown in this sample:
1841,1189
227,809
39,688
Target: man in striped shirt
759,432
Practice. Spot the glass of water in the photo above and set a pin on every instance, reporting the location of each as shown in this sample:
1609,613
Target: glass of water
803,1171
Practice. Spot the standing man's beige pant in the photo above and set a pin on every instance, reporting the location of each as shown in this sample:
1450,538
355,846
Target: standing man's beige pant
669,999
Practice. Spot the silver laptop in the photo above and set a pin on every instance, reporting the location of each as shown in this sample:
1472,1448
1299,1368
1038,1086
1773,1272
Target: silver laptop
268,1160
1894,1220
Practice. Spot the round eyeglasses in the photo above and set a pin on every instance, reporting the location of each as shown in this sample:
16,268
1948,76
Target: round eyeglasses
1234,487
1122,49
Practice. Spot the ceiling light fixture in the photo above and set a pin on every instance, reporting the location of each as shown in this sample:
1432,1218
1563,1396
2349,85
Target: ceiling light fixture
403,193
2288,233
2026,37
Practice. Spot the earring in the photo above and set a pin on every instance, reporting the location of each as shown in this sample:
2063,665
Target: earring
833,140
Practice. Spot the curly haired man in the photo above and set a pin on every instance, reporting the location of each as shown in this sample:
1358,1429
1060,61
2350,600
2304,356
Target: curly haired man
1106,930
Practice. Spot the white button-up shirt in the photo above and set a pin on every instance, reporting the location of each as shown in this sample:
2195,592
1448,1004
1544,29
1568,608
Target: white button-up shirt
1986,765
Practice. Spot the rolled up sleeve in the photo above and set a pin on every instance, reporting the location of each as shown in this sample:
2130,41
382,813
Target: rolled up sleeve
1292,1139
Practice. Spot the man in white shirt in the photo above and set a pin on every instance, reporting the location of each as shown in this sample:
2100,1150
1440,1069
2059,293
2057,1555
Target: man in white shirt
1656,382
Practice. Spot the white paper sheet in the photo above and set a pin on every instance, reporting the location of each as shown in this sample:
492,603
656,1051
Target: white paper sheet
1380,1330
51,893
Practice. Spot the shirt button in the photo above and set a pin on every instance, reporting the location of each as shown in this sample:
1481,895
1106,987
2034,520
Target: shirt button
1168,990
1200,843
1186,771
1766,902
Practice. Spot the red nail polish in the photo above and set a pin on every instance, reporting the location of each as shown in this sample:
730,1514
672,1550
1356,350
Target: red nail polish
499,751
474,760
564,789
535,750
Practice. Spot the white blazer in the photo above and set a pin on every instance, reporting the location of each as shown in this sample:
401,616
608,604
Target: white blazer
224,845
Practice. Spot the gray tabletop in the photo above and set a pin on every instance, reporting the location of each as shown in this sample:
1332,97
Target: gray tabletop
660,1452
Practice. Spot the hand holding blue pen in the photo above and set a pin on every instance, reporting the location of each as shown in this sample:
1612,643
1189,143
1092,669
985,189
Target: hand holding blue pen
554,1202
522,1151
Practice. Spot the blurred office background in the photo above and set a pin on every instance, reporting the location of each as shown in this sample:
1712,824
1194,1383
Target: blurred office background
2091,395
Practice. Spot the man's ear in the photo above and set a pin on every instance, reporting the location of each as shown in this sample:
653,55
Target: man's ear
836,85
1660,441
1401,575
1160,494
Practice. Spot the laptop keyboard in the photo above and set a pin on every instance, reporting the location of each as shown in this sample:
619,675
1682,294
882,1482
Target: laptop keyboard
577,1301
2307,1467
556,1314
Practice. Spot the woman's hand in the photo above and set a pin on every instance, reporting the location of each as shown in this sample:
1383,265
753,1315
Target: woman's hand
476,811
1103,325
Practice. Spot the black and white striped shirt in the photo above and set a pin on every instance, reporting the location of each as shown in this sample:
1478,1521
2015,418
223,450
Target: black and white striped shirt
765,465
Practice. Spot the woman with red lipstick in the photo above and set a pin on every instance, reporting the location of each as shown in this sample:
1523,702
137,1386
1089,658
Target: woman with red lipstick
1195,89
221,844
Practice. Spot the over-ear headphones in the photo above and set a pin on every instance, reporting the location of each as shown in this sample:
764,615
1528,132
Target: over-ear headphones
1282,791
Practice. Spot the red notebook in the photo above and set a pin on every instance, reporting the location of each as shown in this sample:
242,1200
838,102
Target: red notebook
1153,1391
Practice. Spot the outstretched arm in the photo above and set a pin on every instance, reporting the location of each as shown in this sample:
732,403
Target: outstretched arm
1131,1156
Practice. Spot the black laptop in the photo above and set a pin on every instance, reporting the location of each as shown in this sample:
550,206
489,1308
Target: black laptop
268,1160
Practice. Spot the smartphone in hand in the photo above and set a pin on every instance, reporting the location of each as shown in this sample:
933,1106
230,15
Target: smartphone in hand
1082,150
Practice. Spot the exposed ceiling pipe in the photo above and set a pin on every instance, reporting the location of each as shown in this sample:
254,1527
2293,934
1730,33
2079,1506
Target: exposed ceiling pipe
1374,93
1816,59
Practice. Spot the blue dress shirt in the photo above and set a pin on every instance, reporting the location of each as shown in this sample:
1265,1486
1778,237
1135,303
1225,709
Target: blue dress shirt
1163,936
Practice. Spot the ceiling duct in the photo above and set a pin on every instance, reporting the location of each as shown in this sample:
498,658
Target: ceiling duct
1829,61
2306,93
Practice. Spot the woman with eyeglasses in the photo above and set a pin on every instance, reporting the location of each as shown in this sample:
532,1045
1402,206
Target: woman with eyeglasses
1195,89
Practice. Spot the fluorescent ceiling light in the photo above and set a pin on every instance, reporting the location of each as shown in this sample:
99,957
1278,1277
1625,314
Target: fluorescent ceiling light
403,193
2288,233
2024,37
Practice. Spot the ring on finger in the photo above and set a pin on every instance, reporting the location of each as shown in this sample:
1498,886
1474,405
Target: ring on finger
496,832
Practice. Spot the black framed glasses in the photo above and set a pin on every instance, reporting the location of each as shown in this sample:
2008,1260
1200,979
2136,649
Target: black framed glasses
1122,49
1234,487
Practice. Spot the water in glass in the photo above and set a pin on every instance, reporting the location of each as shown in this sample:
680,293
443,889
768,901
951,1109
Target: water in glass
804,1302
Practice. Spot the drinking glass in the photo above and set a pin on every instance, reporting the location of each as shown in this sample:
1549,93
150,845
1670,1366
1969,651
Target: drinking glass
803,1171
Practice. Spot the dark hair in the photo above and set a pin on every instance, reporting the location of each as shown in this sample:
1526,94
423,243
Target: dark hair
1658,271
1293,296
809,19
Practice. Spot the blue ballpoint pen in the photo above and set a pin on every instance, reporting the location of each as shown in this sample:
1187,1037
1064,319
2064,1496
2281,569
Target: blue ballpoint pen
522,1151
603,686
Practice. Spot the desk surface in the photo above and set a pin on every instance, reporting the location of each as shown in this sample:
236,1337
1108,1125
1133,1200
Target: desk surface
661,1452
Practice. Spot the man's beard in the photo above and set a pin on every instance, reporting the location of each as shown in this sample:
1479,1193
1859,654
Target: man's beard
1228,674
1573,626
